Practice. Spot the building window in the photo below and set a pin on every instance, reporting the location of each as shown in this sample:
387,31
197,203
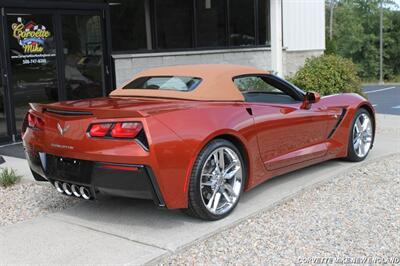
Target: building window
174,20
162,25
264,31
241,24
211,23
128,25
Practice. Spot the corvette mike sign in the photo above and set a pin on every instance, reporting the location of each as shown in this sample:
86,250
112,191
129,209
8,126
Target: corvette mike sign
32,39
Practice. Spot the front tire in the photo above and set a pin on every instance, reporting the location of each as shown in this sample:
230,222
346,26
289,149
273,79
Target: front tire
361,136
217,181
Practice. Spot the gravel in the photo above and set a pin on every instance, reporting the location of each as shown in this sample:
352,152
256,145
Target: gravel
354,216
28,200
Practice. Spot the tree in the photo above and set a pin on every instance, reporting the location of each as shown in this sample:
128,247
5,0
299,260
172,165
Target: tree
355,35
331,9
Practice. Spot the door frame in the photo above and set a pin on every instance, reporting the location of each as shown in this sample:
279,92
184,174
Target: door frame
4,76
55,10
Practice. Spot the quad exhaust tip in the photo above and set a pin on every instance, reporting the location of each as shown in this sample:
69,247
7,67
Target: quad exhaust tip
77,191
85,192
58,187
67,189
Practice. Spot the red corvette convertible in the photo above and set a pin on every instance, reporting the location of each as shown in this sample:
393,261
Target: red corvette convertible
192,137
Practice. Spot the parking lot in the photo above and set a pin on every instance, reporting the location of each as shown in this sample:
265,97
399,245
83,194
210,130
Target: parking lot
385,98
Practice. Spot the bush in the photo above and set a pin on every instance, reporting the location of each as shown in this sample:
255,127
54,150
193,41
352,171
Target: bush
328,74
9,177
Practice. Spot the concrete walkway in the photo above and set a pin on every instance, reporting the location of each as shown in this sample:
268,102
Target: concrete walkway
126,231
20,165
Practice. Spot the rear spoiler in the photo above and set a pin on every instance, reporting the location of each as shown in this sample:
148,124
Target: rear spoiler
41,108
36,107
65,111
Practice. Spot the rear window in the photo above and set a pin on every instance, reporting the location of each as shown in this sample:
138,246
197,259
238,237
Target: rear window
173,83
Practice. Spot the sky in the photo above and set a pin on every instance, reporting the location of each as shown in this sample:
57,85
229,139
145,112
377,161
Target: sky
398,3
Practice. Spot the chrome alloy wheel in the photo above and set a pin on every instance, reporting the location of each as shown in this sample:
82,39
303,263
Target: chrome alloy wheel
221,180
362,135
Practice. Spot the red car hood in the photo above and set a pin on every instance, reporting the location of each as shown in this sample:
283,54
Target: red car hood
114,107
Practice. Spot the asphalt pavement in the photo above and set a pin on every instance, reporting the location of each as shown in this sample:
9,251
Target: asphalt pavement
385,98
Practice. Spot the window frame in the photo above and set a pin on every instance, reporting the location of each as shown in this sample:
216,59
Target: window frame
194,32
297,93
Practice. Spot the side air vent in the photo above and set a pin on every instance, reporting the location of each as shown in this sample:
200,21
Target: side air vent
66,112
337,123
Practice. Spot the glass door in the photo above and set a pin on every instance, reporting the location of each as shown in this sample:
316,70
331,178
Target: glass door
83,55
33,61
50,55
3,118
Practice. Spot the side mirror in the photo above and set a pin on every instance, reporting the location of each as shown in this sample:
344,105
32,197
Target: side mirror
313,97
310,98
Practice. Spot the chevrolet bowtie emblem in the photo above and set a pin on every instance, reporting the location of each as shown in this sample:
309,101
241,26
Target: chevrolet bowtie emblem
61,129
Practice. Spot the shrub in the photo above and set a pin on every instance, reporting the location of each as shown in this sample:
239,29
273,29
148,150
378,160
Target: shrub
9,177
328,74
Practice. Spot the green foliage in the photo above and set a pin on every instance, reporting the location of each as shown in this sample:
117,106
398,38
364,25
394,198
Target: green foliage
330,47
392,46
9,177
356,36
328,74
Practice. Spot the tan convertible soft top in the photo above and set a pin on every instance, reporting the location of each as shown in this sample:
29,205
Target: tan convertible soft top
216,84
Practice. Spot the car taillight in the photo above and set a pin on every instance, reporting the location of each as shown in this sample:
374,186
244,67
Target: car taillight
99,130
116,130
126,130
35,121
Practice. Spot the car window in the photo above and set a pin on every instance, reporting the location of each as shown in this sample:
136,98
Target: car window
254,84
264,89
175,83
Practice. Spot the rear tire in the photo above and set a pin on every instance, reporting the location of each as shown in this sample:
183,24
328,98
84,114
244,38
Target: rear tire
361,136
216,182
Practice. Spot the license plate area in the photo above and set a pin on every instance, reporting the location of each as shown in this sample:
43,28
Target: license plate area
69,169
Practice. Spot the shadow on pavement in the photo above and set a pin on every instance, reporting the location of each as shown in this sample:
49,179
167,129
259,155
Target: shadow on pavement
13,150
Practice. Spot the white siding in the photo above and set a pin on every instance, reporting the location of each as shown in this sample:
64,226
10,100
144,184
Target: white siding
303,25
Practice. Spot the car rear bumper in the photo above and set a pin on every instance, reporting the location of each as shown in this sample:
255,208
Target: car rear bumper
126,180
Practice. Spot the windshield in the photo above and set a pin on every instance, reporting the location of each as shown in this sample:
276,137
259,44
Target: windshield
174,83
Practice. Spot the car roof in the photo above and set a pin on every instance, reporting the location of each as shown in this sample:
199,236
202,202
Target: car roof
216,84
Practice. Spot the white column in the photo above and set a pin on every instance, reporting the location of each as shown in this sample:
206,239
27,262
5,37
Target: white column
276,36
